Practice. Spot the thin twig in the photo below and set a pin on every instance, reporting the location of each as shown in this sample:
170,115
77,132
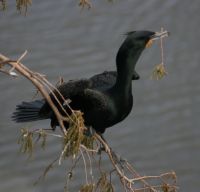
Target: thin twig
90,162
85,166
161,48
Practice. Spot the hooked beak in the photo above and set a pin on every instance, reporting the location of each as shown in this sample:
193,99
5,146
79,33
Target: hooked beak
159,35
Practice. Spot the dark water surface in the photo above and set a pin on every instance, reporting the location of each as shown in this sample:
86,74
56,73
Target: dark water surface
162,132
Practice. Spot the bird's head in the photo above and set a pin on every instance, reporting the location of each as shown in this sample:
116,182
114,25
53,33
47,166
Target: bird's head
132,47
135,43
140,39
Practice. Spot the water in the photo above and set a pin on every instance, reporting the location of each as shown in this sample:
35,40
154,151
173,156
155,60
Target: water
162,132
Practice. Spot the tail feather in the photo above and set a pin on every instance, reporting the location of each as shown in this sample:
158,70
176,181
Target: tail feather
29,111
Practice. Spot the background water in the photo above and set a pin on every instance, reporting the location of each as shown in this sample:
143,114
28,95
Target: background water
162,132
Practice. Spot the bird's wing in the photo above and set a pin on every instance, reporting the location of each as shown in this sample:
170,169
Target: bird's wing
105,79
67,90
95,98
82,90
74,87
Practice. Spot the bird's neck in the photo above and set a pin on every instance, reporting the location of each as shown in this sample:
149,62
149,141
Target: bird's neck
126,61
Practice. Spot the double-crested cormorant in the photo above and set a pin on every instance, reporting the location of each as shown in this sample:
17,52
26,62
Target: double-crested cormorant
105,99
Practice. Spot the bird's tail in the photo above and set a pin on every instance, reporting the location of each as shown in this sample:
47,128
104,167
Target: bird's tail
28,111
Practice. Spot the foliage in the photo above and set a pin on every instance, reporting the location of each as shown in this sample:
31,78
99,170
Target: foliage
104,185
76,136
159,71
26,141
3,5
22,5
87,188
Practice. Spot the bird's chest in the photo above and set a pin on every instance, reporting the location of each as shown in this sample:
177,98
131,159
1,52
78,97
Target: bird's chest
99,114
123,107
109,113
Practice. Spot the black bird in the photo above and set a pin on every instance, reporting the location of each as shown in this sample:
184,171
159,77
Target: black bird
105,99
